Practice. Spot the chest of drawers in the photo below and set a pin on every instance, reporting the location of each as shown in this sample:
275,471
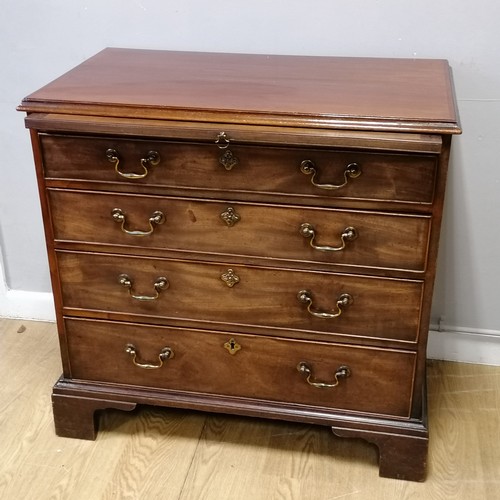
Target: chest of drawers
246,234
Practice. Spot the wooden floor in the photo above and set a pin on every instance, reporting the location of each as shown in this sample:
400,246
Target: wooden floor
173,454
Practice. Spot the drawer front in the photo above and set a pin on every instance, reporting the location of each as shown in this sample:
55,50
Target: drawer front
266,170
340,237
379,381
243,297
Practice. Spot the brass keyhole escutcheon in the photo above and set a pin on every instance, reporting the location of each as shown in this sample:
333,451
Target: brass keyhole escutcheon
232,346
230,278
230,217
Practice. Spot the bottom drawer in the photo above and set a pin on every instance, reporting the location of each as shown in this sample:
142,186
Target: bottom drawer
371,380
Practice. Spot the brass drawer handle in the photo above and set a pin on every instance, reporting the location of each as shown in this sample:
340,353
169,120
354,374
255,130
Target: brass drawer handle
119,216
307,231
343,301
352,171
305,369
152,158
159,285
165,353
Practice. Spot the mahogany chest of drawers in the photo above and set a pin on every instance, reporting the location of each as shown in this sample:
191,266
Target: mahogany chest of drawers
246,234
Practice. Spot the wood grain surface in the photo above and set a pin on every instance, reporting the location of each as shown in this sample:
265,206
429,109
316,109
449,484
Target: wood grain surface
265,368
264,298
390,178
174,454
411,90
384,240
330,86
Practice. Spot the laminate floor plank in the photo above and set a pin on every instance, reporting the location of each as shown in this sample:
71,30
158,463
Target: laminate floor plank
291,461
142,454
154,453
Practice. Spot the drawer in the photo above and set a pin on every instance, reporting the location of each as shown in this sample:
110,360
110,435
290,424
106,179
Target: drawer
241,297
265,368
340,237
267,170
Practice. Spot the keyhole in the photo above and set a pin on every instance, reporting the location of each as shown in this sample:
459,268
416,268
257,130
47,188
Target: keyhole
232,346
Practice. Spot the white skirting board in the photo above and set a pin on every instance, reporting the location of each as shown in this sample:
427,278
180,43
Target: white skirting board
24,305
466,345
27,305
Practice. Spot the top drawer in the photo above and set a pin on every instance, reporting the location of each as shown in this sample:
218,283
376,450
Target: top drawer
405,178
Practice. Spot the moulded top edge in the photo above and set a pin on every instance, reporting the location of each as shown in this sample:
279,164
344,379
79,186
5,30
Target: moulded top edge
317,91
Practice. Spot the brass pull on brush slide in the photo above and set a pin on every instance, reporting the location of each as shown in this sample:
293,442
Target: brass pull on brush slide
227,159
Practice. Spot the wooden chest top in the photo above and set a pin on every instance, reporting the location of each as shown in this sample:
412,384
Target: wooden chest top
412,95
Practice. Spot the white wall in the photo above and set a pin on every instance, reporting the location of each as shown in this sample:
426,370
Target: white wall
40,40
